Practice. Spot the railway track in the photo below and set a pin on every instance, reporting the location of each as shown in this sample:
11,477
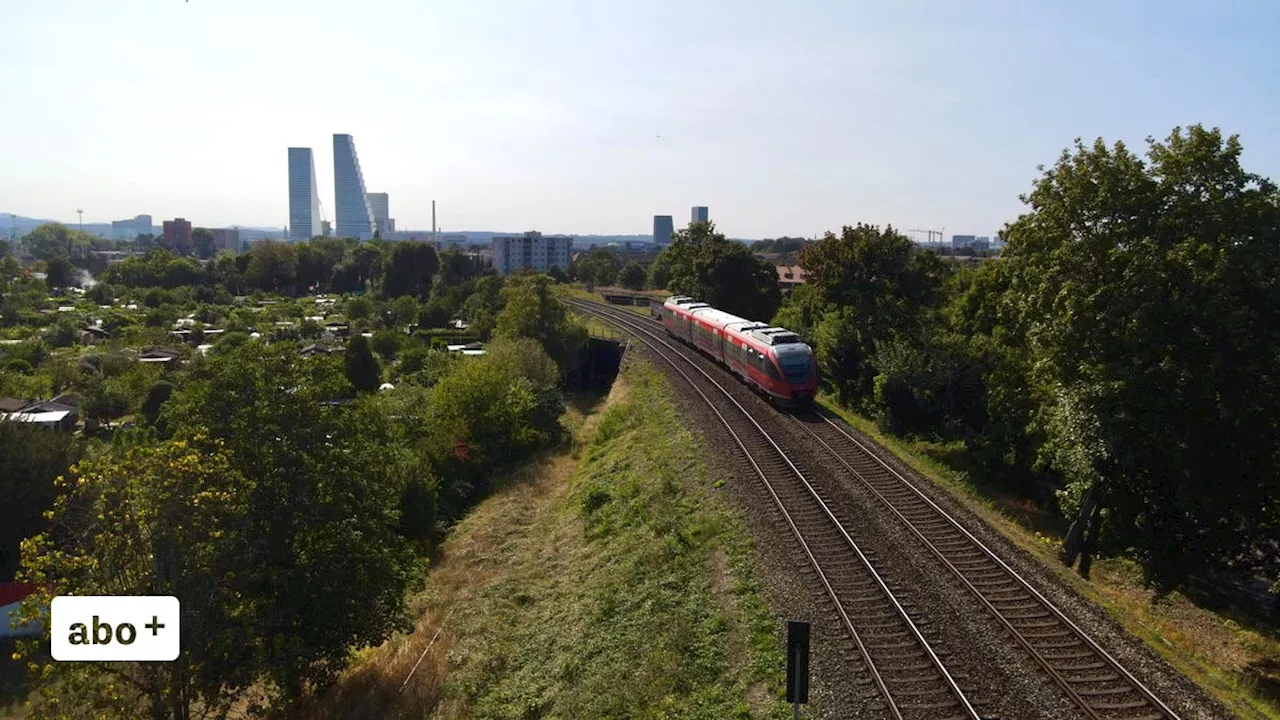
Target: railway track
907,672
1095,681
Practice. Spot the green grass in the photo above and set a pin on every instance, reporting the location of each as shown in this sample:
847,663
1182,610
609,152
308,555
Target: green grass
607,580
650,611
1235,664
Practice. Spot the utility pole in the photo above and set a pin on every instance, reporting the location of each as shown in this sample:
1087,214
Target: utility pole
435,235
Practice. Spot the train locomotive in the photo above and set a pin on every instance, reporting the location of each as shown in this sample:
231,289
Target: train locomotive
773,360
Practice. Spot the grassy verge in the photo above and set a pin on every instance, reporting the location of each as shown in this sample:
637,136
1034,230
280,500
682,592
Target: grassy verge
1238,666
608,580
578,291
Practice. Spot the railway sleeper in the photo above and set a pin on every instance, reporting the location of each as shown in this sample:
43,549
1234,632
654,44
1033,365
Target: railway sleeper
1123,706
1099,692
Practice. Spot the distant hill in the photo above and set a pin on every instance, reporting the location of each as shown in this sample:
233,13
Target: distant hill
24,225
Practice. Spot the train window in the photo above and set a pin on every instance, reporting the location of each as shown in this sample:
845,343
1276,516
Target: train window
771,369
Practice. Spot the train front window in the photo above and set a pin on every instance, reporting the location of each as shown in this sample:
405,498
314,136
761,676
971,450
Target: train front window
798,367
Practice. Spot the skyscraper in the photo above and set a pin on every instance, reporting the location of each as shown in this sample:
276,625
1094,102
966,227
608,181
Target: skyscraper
304,199
354,216
663,229
700,214
380,204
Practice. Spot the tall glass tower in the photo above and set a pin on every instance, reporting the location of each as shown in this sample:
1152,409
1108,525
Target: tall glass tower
354,216
304,199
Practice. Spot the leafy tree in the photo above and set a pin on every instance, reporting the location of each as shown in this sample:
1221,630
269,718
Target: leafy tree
202,239
230,341
715,270
387,343
410,269
361,368
660,271
931,387
498,407
49,241
324,567
358,308
161,520
456,268
63,333
482,306
273,266
104,400
532,311
1145,292
779,245
599,265
401,311
31,458
60,273
558,274
864,287
157,395
314,268
631,276
101,294
435,314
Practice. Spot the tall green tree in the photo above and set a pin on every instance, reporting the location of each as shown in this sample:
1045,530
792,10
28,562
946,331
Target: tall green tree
707,266
60,273
631,276
168,519
325,568
532,311
410,269
864,288
360,366
273,266
204,243
31,458
1147,294
599,265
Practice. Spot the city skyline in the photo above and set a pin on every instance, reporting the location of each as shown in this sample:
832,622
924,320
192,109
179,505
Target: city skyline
761,113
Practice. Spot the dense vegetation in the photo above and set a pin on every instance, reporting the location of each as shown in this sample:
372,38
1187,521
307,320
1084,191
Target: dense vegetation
287,495
1123,347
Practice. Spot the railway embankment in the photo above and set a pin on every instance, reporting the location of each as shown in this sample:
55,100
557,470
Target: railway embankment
609,578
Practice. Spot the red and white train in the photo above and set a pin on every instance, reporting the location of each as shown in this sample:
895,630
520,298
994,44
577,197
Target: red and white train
771,359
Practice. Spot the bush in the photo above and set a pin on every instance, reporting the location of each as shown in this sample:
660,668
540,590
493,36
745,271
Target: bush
387,342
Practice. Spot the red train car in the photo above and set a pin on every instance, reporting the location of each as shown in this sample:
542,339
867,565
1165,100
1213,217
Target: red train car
773,360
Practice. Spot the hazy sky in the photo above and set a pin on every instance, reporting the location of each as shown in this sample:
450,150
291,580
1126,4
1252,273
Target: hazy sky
591,116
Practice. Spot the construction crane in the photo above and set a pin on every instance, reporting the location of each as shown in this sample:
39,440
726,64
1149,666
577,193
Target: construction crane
931,233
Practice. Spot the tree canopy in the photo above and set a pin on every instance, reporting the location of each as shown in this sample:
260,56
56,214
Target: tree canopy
704,264
1147,293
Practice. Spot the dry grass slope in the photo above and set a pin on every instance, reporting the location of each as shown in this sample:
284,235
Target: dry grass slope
605,580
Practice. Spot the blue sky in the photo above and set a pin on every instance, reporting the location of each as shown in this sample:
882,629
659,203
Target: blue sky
591,116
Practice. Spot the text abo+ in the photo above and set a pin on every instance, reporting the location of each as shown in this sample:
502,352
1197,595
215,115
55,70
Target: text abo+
100,628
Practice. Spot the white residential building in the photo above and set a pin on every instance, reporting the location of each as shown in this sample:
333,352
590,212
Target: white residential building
531,250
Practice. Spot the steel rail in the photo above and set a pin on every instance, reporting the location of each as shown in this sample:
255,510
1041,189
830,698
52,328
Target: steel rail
1069,685
653,340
